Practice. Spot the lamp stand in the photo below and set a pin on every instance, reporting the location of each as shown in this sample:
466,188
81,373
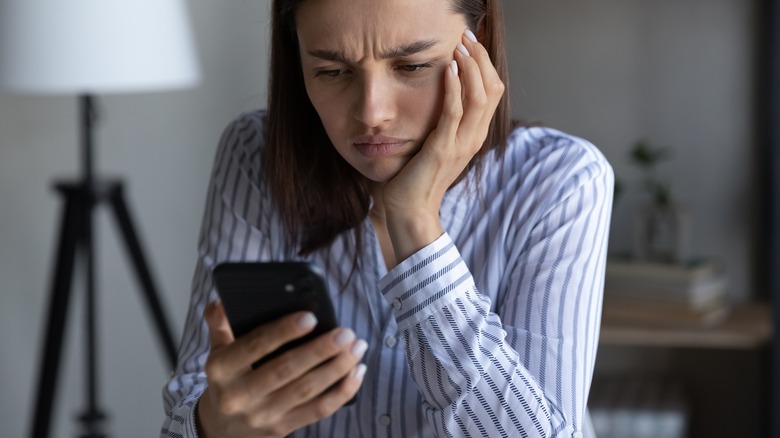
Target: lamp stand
76,236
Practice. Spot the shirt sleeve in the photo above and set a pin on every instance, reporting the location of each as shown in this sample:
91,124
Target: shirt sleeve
489,369
234,216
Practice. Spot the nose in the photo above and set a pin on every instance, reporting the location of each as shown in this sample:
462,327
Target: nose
374,101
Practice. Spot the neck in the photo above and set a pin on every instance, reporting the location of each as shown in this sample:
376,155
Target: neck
377,211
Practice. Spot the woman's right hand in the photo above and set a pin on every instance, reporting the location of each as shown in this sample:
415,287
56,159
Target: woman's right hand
287,392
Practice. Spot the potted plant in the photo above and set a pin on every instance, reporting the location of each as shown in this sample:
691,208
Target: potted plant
661,227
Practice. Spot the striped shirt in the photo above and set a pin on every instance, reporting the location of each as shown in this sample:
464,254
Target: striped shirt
489,331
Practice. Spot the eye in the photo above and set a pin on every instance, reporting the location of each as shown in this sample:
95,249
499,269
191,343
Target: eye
411,68
330,73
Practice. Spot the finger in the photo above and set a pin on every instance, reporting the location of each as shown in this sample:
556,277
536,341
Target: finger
326,404
296,363
269,337
475,102
452,106
492,83
316,382
238,357
220,333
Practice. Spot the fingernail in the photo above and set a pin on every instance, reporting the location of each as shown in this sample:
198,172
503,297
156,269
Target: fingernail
462,49
359,348
360,371
470,35
344,337
454,67
307,320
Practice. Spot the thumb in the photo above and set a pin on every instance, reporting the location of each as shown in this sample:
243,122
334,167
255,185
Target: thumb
220,333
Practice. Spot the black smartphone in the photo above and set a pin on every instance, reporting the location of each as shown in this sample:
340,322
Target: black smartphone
254,293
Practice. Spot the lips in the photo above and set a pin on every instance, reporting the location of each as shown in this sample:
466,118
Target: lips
373,146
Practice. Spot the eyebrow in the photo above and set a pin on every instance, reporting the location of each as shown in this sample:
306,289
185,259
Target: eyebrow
396,52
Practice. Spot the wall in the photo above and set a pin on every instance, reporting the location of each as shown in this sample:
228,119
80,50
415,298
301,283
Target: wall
676,73
609,70
162,145
679,74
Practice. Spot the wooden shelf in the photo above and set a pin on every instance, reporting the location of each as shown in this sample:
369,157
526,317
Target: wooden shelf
747,327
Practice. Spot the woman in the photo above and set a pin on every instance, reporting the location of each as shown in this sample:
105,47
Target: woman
465,262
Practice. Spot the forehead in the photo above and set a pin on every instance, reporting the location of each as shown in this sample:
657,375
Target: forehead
360,25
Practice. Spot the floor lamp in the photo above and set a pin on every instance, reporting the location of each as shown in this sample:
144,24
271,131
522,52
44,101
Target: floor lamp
83,48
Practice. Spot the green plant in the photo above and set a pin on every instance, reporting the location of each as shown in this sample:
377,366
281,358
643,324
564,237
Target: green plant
647,158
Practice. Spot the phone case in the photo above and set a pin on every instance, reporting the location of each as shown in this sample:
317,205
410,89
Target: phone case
254,293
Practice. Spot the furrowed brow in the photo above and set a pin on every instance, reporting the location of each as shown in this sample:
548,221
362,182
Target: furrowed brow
409,49
329,55
396,52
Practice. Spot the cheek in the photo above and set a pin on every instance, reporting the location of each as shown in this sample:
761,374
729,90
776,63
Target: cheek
317,98
425,101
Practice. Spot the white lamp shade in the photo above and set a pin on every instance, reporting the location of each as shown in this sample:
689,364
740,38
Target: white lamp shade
95,46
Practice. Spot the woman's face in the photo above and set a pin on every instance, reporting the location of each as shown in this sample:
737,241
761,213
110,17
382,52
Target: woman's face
374,71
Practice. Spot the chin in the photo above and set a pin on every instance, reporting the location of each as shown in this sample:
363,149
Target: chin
382,172
380,177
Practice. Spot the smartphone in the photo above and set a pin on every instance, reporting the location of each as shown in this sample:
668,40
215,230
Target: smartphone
254,293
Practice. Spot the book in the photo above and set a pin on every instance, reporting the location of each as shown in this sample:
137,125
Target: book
658,313
646,408
699,285
677,274
701,296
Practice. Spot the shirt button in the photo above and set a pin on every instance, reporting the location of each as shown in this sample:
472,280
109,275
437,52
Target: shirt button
397,304
384,420
390,341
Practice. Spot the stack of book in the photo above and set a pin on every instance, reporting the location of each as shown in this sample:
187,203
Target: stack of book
650,293
632,408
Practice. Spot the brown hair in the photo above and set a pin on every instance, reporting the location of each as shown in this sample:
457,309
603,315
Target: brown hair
317,193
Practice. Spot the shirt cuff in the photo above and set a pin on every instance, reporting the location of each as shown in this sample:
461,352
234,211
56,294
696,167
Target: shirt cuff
424,283
191,423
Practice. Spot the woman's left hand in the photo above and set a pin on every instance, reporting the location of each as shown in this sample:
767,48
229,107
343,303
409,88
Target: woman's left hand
412,199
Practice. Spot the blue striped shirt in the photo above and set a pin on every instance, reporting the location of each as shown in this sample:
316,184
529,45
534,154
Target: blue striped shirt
491,330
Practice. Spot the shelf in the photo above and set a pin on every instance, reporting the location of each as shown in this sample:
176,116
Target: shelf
747,327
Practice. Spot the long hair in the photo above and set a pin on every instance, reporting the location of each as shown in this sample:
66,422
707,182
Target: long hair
316,192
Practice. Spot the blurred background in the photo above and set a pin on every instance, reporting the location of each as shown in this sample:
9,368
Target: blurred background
685,76
677,74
